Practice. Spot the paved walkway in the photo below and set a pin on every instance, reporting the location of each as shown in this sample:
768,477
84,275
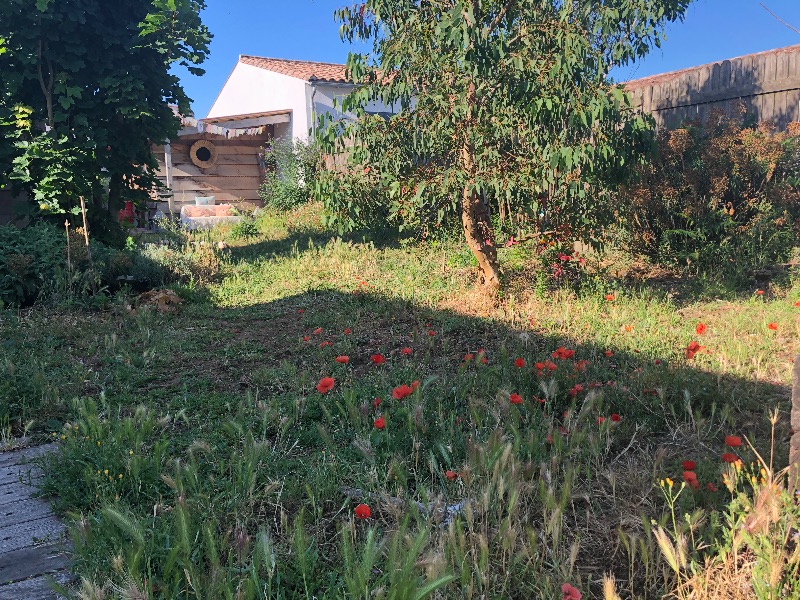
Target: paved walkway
32,540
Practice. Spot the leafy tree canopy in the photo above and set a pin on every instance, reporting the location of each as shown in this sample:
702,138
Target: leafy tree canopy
496,101
92,78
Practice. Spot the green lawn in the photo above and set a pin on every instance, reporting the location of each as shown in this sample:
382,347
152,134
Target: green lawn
199,460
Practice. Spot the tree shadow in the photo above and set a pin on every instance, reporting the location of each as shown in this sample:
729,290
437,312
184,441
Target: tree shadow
258,366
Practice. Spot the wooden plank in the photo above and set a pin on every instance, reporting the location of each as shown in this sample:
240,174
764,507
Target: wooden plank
29,562
37,588
22,535
210,182
222,196
226,170
240,142
23,510
248,158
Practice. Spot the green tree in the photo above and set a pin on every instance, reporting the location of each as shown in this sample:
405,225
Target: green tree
96,78
496,100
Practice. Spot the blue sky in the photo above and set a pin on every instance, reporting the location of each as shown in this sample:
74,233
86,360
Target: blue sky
305,30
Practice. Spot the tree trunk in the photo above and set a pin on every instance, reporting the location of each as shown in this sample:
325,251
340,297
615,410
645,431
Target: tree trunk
480,237
115,192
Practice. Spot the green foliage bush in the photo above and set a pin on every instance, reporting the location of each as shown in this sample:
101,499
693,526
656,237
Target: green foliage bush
29,258
719,197
291,171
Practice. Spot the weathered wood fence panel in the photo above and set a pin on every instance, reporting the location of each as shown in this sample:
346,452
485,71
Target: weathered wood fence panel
767,84
234,177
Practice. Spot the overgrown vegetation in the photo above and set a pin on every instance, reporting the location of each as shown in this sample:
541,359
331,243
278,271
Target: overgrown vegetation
292,167
718,197
517,447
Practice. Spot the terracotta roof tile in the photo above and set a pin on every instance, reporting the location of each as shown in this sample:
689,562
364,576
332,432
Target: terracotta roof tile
644,82
301,69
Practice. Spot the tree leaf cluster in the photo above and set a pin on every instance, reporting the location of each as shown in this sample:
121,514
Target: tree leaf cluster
96,78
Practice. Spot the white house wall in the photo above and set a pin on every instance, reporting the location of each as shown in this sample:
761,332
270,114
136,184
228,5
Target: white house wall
323,100
252,90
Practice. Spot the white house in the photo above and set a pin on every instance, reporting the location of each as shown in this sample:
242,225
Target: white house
289,94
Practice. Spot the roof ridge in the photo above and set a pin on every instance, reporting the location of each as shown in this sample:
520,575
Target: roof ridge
293,60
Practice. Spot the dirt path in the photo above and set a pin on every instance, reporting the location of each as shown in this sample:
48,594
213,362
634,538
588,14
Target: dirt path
32,540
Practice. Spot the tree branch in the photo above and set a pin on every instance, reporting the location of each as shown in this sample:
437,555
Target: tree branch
47,89
494,24
779,19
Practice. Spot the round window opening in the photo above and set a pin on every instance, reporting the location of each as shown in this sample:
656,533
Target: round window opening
203,154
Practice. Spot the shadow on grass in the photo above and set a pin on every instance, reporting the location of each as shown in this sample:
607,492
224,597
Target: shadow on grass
302,239
254,366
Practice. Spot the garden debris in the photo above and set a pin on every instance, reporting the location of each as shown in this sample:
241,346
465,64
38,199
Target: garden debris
164,301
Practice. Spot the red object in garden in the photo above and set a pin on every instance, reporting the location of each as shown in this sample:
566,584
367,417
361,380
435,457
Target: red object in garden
689,465
126,215
734,441
380,423
363,511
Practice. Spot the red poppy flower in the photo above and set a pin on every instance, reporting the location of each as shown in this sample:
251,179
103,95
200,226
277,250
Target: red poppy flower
550,365
609,297
689,465
451,475
378,359
484,360
570,593
759,292
797,303
363,512
317,331
306,338
343,359
700,329
734,441
406,351
401,392
468,357
549,438
539,366
519,363
581,365
323,344
601,420
711,487
608,353
575,389
380,423
692,349
616,418
325,385
658,361
431,333
773,326
300,311
689,476
415,384
347,331
562,352
730,457
376,403
515,399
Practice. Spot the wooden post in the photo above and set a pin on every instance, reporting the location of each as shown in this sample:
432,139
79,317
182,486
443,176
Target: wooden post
69,261
794,443
168,169
86,231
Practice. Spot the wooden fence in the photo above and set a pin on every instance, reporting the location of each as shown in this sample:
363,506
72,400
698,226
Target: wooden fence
767,84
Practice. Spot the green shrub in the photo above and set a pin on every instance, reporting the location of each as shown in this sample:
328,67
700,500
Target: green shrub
244,229
29,258
291,172
718,198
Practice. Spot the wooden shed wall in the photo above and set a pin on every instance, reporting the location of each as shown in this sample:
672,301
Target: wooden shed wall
235,178
768,84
